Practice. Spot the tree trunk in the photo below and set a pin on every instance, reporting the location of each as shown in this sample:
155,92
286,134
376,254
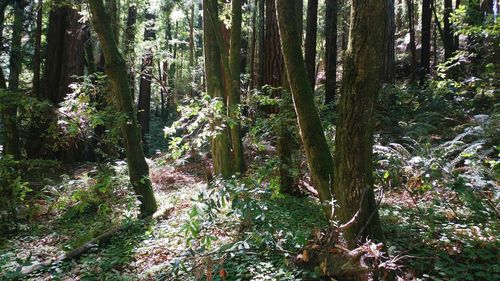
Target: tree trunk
311,131
144,103
38,47
353,184
252,49
65,56
261,52
331,50
234,93
390,55
3,6
220,143
116,70
9,109
129,44
413,45
425,53
448,39
310,43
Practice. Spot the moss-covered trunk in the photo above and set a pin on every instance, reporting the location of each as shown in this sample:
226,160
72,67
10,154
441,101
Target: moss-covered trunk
317,151
116,70
364,59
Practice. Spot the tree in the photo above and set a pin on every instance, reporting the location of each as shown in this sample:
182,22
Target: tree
331,50
390,57
448,39
3,7
310,42
38,47
129,43
220,143
425,53
116,70
10,98
233,101
144,103
317,151
353,183
413,44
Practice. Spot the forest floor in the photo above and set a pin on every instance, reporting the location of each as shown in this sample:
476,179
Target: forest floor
437,226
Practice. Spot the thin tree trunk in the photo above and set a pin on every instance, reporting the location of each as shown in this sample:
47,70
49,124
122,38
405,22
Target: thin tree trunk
37,51
331,50
353,184
234,93
3,6
390,55
252,50
413,46
425,53
129,44
260,74
144,102
117,73
310,42
448,39
312,134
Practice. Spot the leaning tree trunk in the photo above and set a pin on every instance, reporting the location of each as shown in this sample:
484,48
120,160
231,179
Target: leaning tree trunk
310,42
9,108
353,184
331,50
233,101
144,103
425,53
317,151
129,44
220,143
116,70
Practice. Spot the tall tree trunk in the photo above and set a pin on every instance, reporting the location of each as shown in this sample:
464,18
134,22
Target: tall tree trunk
3,6
310,43
261,41
413,45
220,144
116,70
252,50
144,103
9,109
331,50
311,131
425,53
37,51
448,39
390,55
364,60
129,44
234,93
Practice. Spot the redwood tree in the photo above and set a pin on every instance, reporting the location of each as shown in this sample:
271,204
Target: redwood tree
331,50
310,42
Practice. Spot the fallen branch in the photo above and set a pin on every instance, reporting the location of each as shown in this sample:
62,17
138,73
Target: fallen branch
76,253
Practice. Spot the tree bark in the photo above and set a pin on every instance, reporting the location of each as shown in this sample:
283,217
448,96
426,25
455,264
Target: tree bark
9,108
448,39
37,50
331,50
310,42
317,151
353,184
425,53
413,45
116,70
129,44
220,143
261,41
390,55
3,6
234,93
144,102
